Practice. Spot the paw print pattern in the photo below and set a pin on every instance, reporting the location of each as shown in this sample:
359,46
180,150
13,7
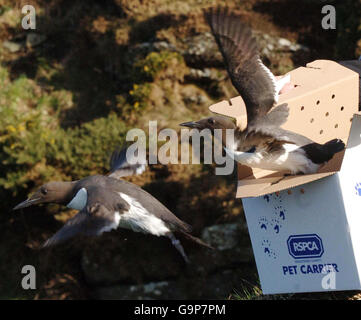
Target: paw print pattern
280,212
273,198
276,225
263,223
358,188
266,244
276,198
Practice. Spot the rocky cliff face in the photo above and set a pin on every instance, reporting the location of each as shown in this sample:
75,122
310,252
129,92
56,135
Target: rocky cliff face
90,71
161,273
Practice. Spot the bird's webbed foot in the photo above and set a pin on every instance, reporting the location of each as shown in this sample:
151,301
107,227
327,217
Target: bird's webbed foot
176,243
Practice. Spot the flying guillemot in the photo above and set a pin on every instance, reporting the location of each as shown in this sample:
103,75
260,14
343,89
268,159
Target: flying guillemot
106,203
263,143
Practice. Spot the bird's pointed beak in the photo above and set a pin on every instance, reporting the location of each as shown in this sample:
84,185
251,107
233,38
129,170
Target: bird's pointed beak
27,203
190,124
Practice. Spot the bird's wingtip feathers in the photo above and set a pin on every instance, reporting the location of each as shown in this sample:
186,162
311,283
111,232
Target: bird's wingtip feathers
48,243
120,167
117,157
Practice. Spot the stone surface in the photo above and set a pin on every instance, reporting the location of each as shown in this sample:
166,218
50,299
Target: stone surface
137,266
206,74
222,236
201,51
284,42
216,286
130,257
34,39
148,291
270,45
13,46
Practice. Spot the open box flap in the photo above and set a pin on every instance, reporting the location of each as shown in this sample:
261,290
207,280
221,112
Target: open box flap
354,65
276,182
321,107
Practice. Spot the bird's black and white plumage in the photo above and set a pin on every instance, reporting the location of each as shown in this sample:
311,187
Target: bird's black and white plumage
106,203
263,144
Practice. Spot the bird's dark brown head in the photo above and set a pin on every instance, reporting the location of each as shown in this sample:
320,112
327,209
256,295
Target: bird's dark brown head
56,192
212,123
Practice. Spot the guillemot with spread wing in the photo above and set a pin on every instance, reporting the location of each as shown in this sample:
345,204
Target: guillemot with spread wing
263,143
106,203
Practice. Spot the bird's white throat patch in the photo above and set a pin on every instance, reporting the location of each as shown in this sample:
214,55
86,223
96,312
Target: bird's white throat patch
79,201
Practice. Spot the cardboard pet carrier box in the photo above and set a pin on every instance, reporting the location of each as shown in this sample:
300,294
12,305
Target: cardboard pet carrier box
306,229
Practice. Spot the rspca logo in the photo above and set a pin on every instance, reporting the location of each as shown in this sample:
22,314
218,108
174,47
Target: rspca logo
305,246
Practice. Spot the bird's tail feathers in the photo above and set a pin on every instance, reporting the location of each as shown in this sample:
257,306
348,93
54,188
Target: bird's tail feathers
334,146
195,239
320,153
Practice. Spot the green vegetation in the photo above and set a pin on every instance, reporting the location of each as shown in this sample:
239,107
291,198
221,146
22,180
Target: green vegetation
139,96
34,147
151,67
251,291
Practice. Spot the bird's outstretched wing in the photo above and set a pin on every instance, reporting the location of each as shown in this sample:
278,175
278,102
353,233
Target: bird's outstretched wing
252,79
93,220
270,121
122,166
